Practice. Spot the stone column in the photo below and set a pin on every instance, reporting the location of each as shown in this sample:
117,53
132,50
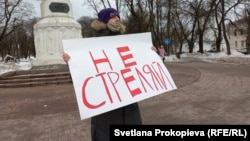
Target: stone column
56,23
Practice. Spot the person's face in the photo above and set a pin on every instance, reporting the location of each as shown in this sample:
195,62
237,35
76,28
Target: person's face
114,19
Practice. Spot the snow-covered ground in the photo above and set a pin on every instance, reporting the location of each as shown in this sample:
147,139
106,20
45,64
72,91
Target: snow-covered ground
10,66
235,57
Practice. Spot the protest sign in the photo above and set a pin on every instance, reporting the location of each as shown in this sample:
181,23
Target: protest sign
114,71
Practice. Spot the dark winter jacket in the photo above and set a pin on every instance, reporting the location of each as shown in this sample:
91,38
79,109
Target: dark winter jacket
126,115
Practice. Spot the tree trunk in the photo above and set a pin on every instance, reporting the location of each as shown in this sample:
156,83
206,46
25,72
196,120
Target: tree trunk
201,42
224,28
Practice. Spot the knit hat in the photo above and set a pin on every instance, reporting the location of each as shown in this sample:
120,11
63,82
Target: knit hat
105,14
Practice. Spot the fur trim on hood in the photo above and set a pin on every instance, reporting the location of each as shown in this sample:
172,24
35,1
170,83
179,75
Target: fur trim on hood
98,26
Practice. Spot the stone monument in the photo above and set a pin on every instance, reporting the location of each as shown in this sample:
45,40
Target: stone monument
56,23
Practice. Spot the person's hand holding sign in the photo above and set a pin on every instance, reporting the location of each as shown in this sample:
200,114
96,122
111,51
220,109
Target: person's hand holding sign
66,57
154,48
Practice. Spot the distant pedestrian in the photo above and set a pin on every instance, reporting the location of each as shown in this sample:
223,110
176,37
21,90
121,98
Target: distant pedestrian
162,53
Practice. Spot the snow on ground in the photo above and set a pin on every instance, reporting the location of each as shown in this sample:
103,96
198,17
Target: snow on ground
11,66
210,56
215,55
235,57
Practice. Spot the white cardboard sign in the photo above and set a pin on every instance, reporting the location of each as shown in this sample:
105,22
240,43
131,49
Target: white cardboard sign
115,71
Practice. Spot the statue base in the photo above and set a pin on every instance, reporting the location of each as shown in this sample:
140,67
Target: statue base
55,25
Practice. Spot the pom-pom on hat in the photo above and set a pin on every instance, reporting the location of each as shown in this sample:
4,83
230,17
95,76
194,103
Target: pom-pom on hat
105,14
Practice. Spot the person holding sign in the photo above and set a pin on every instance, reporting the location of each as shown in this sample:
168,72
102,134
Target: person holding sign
162,53
108,24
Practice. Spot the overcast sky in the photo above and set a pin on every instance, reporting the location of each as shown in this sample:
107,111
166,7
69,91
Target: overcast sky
78,9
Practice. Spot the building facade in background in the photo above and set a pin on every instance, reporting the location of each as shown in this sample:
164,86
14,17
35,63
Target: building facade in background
238,33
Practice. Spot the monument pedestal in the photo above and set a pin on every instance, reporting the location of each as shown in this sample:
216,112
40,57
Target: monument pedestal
56,24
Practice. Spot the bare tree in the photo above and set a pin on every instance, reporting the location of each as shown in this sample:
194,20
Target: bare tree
12,14
222,9
190,12
248,31
181,20
138,15
181,29
246,15
204,12
25,39
97,5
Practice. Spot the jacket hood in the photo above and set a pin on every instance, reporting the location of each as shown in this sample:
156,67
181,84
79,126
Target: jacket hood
99,26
